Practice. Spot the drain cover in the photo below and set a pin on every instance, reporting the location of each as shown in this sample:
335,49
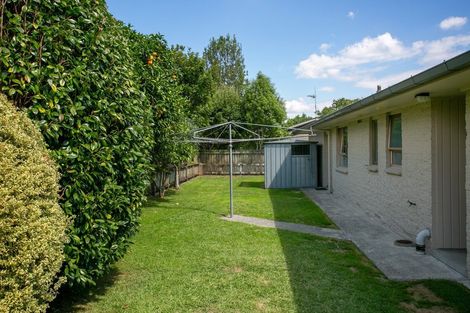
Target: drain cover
404,243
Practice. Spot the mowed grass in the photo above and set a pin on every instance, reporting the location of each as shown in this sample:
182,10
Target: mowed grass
186,259
251,199
211,194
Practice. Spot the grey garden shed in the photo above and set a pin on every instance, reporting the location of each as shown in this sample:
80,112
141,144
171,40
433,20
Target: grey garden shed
290,163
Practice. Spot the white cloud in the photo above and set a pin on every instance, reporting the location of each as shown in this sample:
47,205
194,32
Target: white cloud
324,47
302,105
453,22
299,106
363,61
436,51
369,50
386,81
351,14
327,89
380,48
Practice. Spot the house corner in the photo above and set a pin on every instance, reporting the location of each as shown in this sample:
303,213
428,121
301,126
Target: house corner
467,176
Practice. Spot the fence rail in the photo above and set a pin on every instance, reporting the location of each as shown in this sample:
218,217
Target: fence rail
245,162
184,173
216,162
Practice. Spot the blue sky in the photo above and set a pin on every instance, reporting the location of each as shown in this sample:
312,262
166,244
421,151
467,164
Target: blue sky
339,48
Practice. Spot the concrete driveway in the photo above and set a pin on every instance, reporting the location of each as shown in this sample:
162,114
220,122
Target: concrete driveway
376,241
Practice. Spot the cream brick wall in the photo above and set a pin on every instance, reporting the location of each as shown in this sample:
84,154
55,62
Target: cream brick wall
467,177
381,194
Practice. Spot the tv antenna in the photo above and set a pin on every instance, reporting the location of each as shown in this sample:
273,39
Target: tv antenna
314,97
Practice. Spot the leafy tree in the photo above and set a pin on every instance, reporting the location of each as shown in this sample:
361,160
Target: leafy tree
225,105
262,105
196,82
335,106
160,74
224,59
297,120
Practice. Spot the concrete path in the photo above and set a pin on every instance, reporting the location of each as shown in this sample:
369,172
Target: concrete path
376,241
299,228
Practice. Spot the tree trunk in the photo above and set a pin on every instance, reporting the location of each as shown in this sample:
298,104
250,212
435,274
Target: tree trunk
177,177
154,185
161,190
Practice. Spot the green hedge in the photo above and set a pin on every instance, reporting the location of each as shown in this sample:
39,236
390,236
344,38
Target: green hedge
160,77
32,225
70,64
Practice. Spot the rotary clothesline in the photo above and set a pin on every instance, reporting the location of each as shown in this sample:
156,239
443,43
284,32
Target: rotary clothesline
197,137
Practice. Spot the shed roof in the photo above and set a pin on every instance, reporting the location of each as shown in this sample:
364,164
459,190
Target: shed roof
295,139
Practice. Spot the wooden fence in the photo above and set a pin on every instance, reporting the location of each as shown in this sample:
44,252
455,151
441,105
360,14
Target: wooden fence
184,173
245,162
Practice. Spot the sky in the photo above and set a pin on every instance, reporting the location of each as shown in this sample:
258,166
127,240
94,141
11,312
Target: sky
333,49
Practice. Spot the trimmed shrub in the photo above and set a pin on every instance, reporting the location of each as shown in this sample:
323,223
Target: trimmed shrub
32,224
70,64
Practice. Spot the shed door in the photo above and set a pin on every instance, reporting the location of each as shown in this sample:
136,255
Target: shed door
277,166
290,166
448,177
303,162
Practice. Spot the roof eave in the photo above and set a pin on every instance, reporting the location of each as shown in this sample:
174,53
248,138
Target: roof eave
453,65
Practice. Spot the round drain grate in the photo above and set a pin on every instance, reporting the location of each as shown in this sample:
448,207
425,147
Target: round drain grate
404,243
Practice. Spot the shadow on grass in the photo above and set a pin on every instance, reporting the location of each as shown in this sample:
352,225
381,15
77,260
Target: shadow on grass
155,200
329,275
74,300
252,184
340,278
295,260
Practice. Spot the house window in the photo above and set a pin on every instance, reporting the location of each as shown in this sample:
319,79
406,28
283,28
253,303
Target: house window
300,149
394,140
342,150
373,145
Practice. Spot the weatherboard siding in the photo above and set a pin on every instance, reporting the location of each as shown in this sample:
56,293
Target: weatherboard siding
449,196
467,170
381,194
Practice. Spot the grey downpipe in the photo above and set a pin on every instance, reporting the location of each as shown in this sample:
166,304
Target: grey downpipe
421,238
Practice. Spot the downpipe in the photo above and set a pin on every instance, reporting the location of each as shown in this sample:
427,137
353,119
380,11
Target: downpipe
421,238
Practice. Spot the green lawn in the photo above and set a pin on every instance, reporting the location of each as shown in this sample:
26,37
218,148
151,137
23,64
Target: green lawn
186,259
278,204
251,199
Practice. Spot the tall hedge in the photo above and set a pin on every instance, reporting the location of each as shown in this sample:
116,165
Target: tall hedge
160,78
32,225
70,64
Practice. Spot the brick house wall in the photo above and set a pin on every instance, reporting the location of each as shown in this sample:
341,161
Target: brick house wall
382,194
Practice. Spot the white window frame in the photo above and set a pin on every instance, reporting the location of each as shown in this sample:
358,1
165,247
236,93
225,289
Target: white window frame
373,144
342,148
393,167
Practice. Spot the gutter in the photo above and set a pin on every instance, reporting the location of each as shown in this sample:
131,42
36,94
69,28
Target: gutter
453,65
300,125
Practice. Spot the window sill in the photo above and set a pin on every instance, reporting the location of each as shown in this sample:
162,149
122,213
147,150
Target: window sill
373,168
342,170
393,170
